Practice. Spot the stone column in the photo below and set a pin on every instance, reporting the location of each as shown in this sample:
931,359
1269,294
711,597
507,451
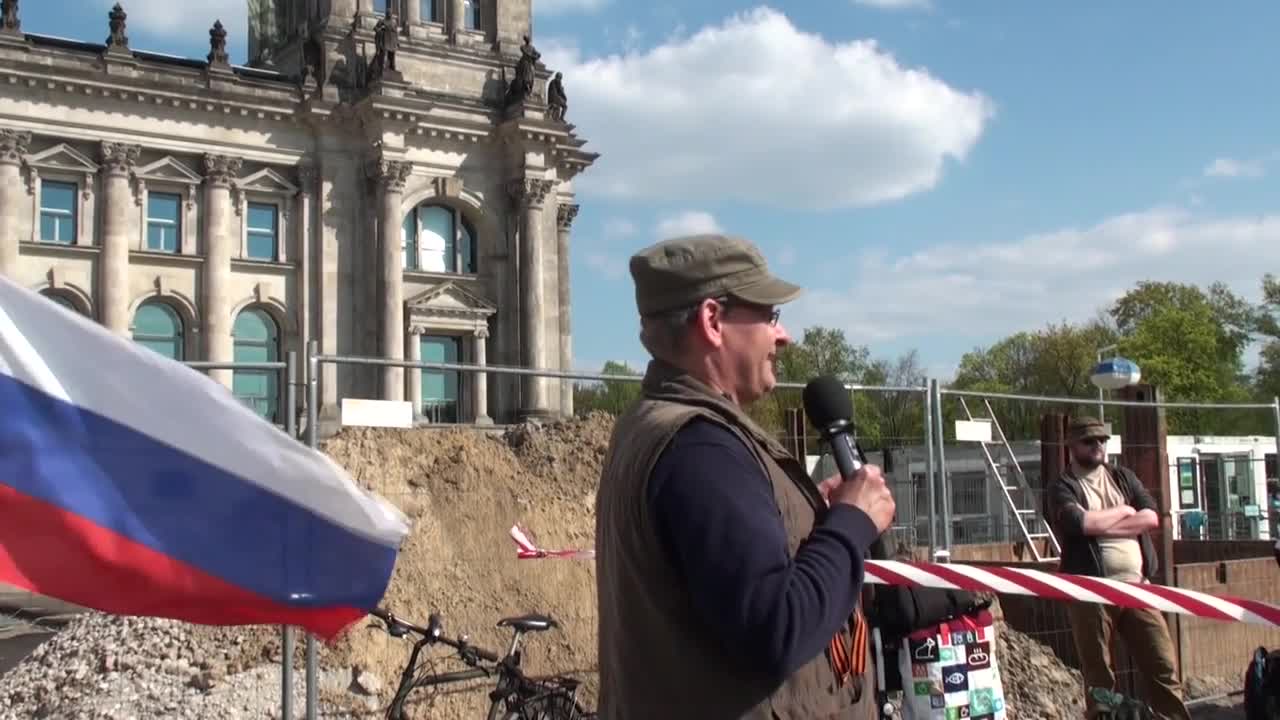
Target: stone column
413,15
480,381
13,147
565,215
391,176
118,162
529,194
456,24
414,353
220,242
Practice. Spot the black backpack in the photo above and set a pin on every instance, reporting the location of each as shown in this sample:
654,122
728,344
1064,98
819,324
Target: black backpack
1262,686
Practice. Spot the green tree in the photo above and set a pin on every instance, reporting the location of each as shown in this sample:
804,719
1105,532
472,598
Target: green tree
611,396
1190,343
891,419
1055,362
1267,376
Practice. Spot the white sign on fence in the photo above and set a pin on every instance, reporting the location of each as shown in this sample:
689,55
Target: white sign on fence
377,413
973,431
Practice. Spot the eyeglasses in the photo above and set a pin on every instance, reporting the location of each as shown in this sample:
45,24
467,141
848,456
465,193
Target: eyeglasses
774,313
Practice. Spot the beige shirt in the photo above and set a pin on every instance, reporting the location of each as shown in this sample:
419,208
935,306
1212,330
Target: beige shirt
1121,557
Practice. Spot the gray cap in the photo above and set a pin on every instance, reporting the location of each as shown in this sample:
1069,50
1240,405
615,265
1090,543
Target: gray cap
681,271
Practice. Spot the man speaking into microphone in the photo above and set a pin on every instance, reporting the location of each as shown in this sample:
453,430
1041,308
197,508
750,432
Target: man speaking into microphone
727,582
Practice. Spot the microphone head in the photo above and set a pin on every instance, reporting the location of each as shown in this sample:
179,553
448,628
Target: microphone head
827,402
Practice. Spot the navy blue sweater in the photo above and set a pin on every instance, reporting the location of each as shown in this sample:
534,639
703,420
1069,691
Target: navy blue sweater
716,515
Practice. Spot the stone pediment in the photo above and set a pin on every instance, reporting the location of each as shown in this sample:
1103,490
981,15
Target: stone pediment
62,157
268,181
170,169
450,300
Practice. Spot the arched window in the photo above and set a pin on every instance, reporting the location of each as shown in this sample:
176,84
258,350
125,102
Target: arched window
158,327
257,339
61,299
436,238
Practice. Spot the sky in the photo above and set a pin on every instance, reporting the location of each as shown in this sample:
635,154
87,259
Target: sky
937,174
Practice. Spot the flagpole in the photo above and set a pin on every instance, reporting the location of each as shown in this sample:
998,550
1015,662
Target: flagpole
286,636
313,397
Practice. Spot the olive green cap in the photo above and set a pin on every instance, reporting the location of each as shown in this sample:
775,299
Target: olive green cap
1085,428
681,271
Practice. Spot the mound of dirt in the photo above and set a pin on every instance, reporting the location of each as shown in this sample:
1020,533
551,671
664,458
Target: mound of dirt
463,489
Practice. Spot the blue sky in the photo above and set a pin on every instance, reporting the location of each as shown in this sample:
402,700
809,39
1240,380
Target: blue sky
937,173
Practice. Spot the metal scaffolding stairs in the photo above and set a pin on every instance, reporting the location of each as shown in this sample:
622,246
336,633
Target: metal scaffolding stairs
1018,488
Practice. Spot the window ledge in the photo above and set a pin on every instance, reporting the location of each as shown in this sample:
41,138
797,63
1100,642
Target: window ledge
254,265
439,275
174,258
58,248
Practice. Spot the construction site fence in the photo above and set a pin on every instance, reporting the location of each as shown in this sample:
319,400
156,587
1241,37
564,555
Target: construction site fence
949,502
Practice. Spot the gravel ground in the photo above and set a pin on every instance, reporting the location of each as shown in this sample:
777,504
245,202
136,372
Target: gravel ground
104,667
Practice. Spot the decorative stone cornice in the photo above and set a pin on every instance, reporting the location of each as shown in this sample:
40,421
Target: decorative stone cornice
528,193
389,174
221,170
119,158
13,146
565,214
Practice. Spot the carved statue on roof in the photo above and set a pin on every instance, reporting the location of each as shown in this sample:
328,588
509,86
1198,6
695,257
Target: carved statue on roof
386,43
9,16
522,84
218,45
557,101
312,56
116,22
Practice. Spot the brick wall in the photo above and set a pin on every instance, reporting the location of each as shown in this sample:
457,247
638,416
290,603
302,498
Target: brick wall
1211,648
1187,552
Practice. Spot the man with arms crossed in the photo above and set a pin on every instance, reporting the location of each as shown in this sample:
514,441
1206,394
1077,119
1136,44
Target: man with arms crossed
726,579
1102,515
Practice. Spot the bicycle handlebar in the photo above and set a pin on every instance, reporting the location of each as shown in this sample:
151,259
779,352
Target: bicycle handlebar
433,633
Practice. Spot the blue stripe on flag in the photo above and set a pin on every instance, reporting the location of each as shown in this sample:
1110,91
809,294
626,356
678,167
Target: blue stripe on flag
179,505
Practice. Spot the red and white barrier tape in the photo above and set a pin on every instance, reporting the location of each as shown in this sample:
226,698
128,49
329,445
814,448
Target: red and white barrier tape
1019,581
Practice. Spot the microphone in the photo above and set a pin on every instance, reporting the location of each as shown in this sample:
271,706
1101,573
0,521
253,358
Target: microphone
830,409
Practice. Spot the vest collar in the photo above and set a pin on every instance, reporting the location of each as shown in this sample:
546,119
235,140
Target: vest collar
663,381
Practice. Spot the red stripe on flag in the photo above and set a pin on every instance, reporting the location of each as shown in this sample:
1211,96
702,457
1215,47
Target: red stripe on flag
52,552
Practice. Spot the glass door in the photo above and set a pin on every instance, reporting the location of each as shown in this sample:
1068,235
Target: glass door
440,387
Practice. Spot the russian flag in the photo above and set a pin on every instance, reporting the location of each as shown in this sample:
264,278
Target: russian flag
134,485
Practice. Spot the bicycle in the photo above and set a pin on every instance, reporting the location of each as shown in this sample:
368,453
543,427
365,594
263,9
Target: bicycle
515,696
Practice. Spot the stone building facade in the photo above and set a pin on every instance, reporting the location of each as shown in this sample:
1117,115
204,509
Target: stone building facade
386,181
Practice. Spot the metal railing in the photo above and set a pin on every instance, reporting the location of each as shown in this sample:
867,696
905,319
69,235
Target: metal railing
936,477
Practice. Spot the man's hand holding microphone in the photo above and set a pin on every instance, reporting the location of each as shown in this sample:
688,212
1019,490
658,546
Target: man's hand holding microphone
865,490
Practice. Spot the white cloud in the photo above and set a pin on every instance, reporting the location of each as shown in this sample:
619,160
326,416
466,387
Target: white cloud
756,110
559,7
991,290
894,4
689,222
181,20
608,264
1228,167
618,228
